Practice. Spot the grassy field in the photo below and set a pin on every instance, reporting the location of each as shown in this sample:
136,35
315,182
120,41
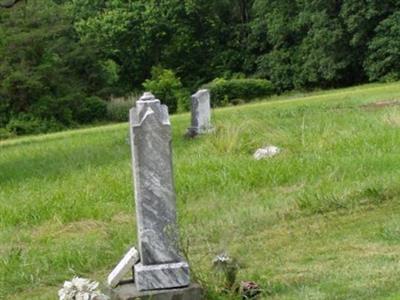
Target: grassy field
319,221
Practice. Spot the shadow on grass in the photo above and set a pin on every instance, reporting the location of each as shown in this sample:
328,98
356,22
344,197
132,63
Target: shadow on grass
61,160
60,155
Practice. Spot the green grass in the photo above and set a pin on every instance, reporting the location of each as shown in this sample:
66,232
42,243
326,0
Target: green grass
319,221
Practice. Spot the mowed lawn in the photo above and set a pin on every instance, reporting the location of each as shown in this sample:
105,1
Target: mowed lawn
319,221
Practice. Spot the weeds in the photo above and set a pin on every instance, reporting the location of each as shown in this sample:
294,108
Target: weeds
315,222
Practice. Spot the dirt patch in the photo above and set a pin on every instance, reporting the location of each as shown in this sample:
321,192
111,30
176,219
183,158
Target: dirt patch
381,104
123,218
54,230
392,118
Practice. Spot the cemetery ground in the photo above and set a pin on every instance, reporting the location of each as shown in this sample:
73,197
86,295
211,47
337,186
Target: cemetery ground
321,220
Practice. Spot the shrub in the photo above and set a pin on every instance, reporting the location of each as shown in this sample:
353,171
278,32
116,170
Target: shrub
4,111
49,107
118,108
23,124
91,109
183,102
232,91
49,114
5,134
382,62
30,124
168,88
70,109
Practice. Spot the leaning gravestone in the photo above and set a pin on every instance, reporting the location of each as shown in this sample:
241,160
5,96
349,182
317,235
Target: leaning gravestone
201,113
162,273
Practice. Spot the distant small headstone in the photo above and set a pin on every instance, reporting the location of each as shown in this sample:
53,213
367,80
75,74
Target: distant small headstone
201,113
266,152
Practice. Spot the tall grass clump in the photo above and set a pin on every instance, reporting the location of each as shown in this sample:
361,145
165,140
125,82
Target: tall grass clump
235,138
118,108
5,134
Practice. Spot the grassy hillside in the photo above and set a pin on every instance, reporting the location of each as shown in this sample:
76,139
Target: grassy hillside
319,221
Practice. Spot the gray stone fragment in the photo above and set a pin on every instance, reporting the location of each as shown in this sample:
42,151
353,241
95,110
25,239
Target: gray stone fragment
201,113
155,277
130,292
123,267
158,236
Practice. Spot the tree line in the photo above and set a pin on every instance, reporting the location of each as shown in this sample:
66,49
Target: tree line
61,59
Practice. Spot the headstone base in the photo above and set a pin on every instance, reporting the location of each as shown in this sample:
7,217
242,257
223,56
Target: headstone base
194,131
130,292
164,276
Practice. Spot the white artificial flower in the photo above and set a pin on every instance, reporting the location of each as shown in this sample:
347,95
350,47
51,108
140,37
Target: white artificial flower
68,285
80,289
221,258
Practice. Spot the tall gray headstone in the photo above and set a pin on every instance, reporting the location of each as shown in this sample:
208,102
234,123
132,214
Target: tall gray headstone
161,265
201,113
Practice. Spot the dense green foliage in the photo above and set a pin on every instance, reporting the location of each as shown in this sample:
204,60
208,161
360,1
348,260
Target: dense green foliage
118,108
238,90
166,86
49,79
58,53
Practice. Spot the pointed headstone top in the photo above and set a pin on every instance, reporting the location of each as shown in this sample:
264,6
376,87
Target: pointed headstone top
147,96
162,265
146,106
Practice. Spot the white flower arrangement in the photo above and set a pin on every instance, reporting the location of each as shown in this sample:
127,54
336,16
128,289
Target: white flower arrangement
228,266
222,258
81,289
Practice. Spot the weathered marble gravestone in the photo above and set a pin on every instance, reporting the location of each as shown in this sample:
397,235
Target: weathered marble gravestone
161,265
201,113
162,272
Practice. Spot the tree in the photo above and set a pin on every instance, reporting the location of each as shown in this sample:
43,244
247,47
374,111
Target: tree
198,39
47,76
383,60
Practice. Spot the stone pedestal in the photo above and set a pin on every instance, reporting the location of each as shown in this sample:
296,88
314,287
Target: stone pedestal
155,277
201,113
130,292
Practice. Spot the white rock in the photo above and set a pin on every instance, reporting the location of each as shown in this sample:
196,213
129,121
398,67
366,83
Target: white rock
123,267
266,152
